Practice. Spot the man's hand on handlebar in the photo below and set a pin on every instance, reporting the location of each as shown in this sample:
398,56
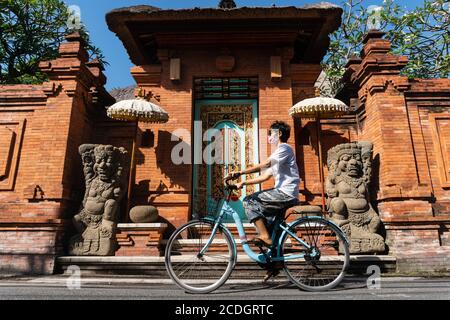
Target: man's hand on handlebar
233,175
239,185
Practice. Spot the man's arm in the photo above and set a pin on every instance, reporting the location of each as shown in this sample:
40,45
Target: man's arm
256,168
260,179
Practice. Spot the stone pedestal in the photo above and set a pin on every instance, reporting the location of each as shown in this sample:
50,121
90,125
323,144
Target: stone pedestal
140,239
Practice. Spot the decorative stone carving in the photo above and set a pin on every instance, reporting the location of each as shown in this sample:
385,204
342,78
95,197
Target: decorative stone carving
104,168
349,167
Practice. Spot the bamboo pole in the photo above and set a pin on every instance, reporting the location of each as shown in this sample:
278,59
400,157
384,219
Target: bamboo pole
319,150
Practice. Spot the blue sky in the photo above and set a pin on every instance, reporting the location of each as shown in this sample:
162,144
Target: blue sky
118,72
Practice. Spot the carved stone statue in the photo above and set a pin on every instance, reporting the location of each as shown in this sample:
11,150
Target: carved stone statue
349,166
105,176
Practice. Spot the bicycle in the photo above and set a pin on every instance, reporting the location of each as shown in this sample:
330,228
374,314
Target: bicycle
201,254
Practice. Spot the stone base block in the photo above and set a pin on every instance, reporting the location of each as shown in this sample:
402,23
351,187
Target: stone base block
140,239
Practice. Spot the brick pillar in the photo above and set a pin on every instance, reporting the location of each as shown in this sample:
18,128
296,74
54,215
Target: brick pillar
68,118
401,184
51,121
381,90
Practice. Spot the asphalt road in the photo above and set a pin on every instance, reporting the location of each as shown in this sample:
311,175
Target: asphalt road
55,288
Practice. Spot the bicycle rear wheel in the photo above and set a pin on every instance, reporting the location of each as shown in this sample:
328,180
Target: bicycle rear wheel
200,273
323,265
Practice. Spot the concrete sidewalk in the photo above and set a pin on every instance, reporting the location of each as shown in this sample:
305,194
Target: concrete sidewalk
61,287
63,279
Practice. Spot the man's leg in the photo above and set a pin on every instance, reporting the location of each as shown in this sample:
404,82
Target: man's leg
262,208
262,231
254,208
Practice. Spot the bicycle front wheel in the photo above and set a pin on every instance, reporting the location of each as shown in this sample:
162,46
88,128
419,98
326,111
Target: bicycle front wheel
321,266
195,272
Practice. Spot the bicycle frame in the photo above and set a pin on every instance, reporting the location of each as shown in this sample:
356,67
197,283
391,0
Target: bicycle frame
257,257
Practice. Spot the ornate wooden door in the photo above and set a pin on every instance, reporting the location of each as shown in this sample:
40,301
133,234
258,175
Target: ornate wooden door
235,122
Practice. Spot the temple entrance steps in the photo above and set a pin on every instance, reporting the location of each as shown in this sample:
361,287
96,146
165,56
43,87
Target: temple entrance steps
153,267
142,246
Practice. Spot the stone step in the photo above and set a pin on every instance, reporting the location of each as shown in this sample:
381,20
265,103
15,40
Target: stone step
155,267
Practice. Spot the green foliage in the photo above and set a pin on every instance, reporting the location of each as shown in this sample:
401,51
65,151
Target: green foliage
424,36
31,31
421,34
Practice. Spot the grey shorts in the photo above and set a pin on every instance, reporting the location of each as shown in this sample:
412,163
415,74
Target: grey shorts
268,204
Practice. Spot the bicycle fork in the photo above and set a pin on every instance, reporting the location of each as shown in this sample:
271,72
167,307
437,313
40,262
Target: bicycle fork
210,240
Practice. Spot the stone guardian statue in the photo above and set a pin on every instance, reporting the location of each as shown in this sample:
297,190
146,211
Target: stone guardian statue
105,177
349,167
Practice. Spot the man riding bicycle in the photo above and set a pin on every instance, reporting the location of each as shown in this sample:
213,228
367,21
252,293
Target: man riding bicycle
263,207
306,259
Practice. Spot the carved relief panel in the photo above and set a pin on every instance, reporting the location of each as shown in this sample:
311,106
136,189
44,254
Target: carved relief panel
440,124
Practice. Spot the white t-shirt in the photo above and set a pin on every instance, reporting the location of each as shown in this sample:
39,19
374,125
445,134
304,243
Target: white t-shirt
284,169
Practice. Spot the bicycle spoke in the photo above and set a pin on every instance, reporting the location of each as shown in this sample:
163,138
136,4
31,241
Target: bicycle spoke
216,255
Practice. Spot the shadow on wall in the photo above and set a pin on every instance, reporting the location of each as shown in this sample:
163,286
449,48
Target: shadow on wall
178,174
170,227
307,136
141,189
26,264
374,180
329,138
374,188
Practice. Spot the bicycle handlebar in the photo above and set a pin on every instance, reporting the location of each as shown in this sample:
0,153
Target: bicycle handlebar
229,186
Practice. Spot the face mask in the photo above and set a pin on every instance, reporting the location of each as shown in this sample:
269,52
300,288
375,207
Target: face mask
273,138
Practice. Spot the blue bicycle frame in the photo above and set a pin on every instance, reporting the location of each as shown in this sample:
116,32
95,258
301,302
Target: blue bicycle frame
261,257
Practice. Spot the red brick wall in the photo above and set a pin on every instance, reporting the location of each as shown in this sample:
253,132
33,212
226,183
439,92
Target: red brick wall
40,182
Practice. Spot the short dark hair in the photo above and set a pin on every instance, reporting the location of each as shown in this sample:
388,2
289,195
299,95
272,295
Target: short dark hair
284,128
